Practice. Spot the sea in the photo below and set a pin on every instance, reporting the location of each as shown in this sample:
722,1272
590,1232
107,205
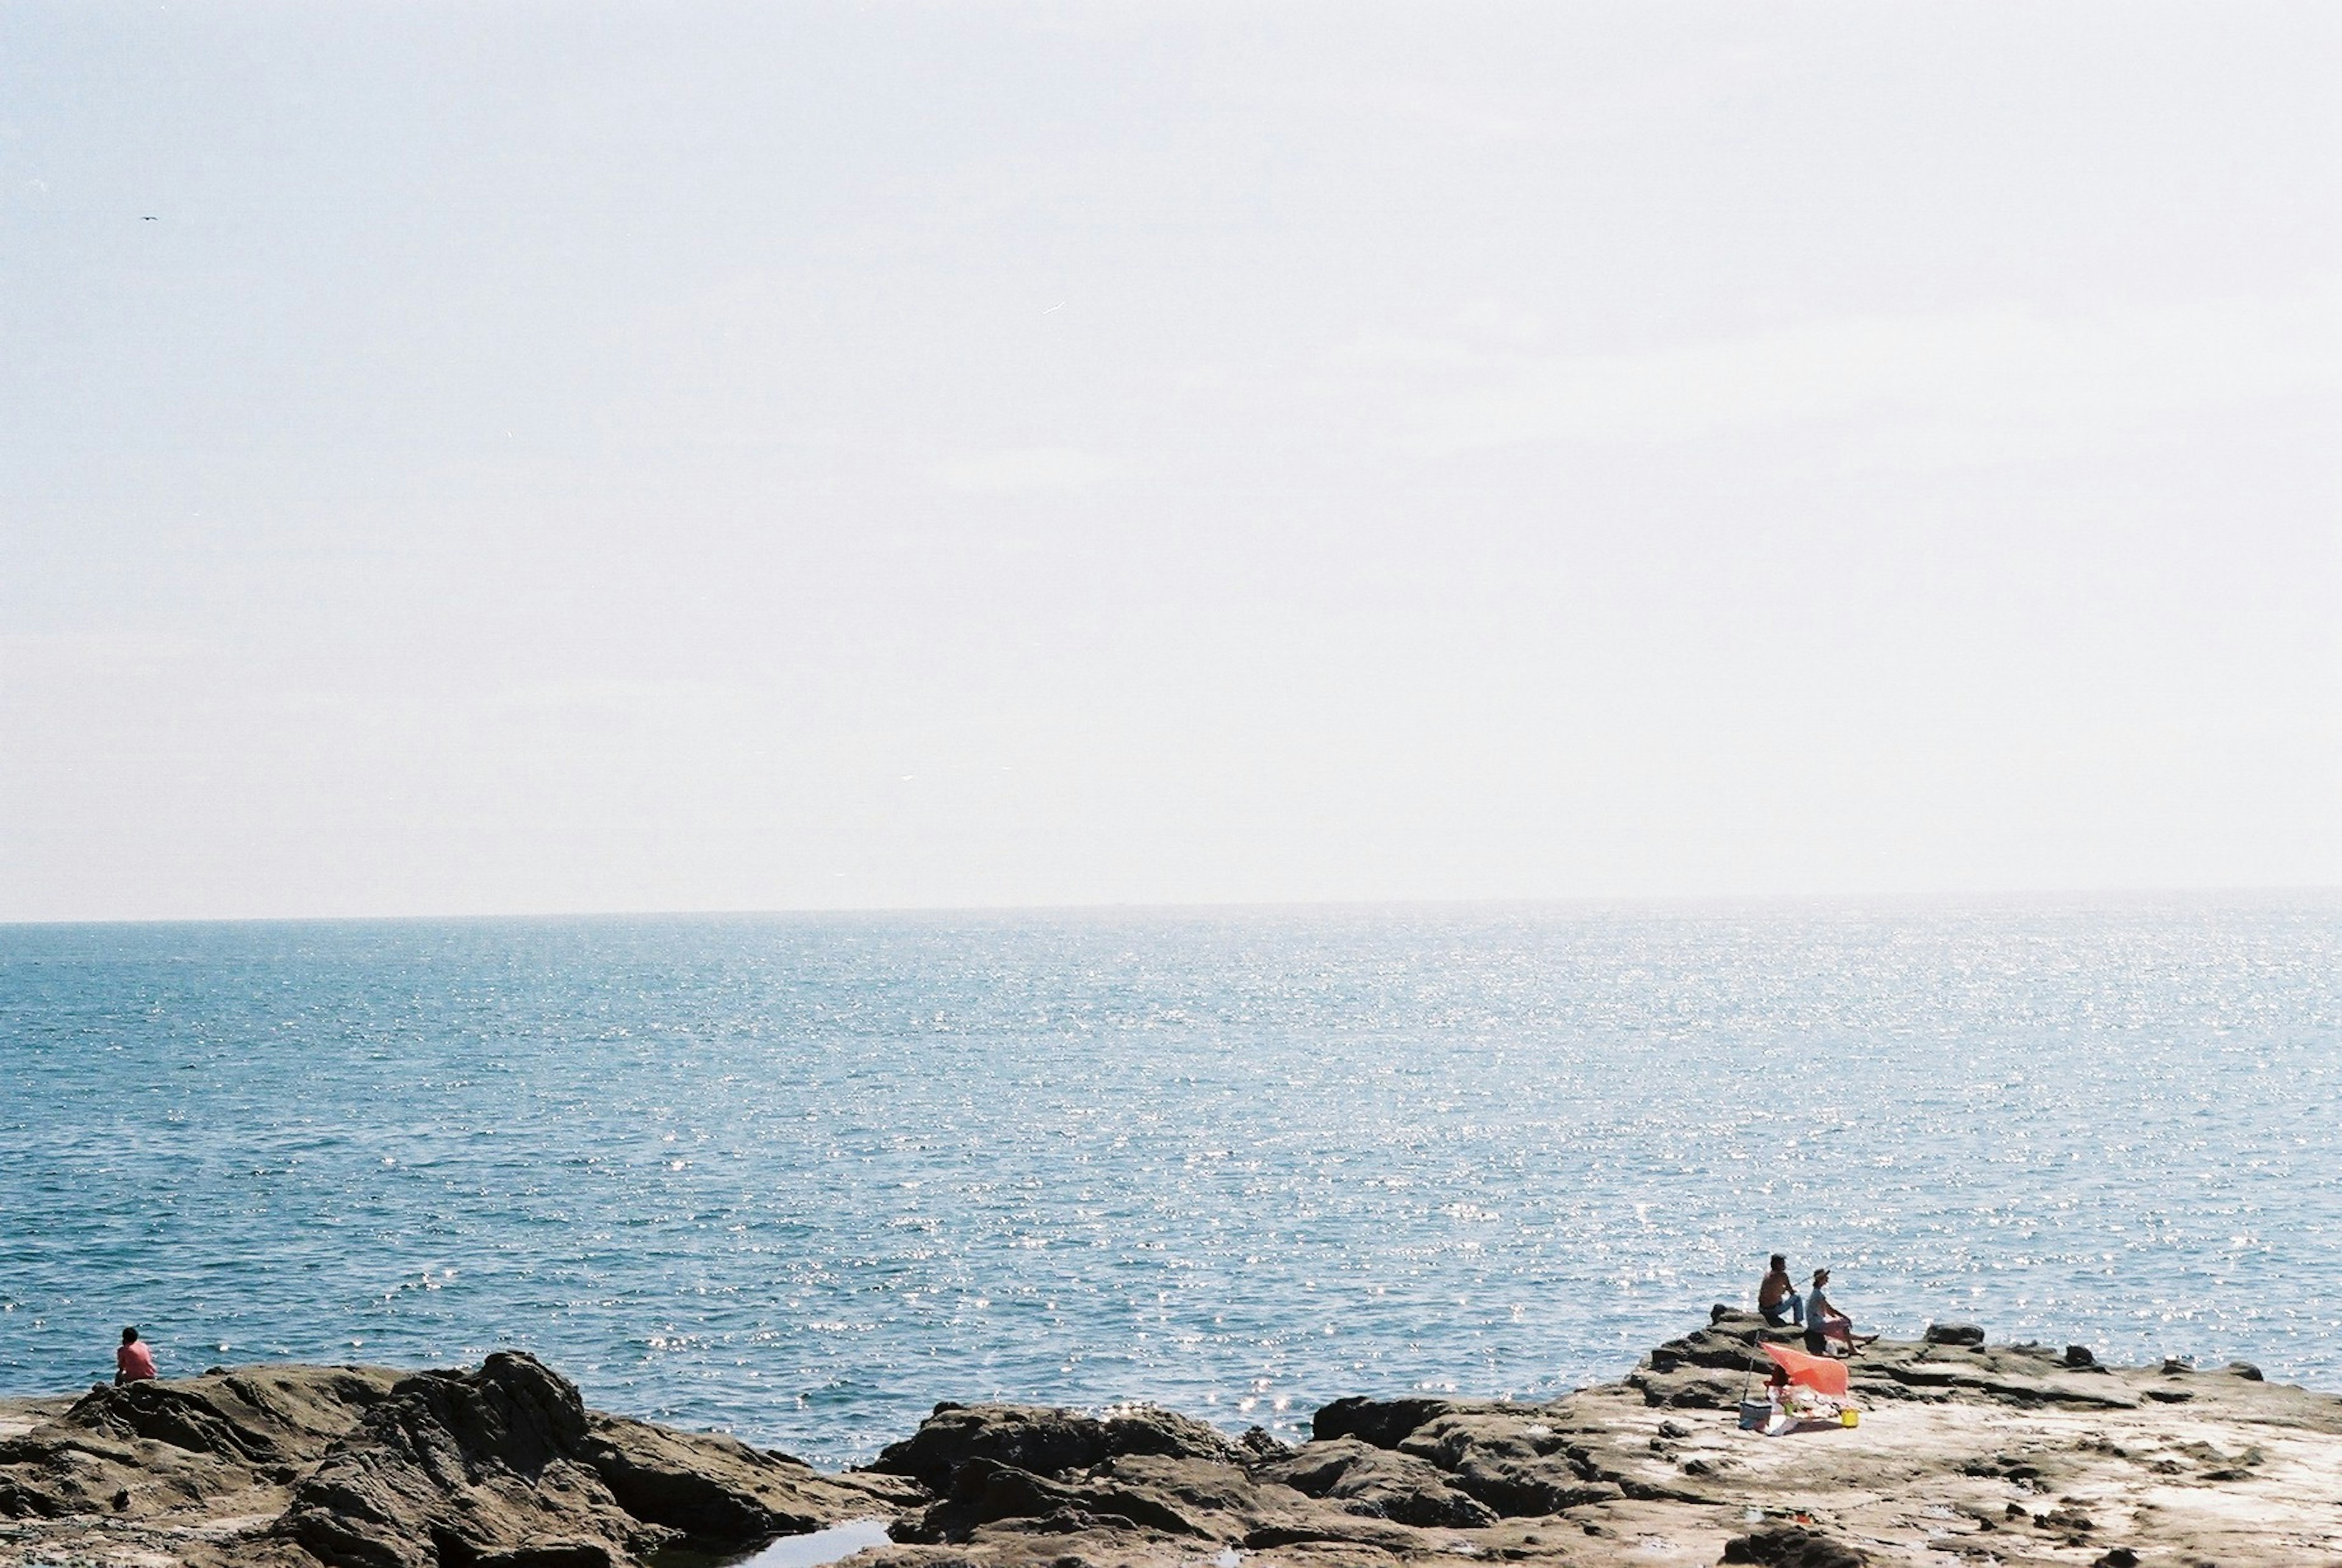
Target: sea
799,1178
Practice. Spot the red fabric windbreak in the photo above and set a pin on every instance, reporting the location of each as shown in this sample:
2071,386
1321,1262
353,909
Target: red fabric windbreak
1819,1373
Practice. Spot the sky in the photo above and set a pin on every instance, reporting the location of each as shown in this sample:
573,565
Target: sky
462,459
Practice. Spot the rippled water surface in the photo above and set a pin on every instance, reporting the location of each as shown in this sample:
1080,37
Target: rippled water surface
803,1176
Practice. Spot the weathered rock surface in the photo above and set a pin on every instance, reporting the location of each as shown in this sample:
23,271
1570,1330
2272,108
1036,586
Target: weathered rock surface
362,1467
1378,1483
224,1441
1965,1451
1790,1546
1044,1441
474,1466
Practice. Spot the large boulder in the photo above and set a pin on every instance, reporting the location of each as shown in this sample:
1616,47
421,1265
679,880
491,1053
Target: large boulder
1384,1422
1378,1483
1791,1546
473,1468
1044,1441
496,1468
1516,1460
714,1488
1147,1485
505,1468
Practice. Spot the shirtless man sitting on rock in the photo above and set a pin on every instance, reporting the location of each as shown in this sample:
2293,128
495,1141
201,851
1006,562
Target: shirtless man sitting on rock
1777,1299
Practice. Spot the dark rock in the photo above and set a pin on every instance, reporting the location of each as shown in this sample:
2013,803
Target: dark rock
150,1447
506,1466
1259,1446
1792,1546
1967,1334
1705,1370
1196,1486
1044,1441
267,1415
462,1468
999,1492
1378,1483
1492,1452
2116,1557
1040,1471
1381,1422
1350,1534
714,1488
2026,1470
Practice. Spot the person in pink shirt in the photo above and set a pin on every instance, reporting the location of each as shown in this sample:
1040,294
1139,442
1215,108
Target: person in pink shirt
132,1363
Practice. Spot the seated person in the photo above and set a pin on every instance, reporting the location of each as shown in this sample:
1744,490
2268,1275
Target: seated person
1777,1299
1825,1323
134,1362
1793,1404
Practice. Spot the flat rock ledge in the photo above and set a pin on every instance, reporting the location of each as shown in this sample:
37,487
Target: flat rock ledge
1966,1453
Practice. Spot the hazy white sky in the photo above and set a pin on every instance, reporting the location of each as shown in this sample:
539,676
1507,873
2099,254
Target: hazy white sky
694,456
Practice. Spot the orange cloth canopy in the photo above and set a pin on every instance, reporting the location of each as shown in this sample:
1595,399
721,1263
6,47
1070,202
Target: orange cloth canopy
1822,1373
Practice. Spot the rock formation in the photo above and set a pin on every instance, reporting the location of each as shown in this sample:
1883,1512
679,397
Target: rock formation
1965,1452
362,1467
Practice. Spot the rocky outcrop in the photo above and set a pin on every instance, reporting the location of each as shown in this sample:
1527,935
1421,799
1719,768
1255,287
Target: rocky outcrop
1791,1546
707,1487
1378,1483
1710,1368
1140,1472
1044,1441
361,1467
224,1441
505,1468
263,1416
474,1467
1965,1451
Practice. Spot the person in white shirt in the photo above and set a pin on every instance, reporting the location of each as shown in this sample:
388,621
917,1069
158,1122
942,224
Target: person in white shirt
1825,1323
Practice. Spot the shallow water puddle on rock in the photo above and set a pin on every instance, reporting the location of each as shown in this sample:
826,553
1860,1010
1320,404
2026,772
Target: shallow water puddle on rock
821,1546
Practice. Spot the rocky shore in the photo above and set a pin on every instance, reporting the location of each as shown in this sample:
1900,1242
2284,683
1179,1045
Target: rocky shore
1965,1452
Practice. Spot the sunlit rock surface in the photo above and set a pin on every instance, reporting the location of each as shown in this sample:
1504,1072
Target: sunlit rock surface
1965,1451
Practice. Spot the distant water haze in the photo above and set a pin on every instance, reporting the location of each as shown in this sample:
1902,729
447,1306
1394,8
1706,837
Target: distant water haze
462,460
803,1177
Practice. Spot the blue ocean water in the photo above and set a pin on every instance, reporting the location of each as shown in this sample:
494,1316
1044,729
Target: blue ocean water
801,1176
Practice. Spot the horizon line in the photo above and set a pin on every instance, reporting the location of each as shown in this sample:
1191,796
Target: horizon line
1174,906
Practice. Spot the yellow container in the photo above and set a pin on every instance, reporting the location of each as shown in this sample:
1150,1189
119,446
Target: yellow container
1850,1416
